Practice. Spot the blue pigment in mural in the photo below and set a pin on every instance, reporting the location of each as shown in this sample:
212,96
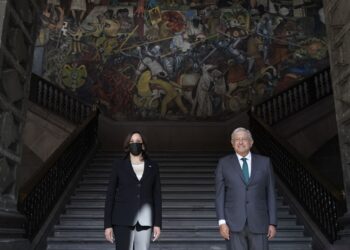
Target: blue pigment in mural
179,60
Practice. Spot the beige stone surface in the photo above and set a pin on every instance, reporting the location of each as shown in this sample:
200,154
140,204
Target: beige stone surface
44,133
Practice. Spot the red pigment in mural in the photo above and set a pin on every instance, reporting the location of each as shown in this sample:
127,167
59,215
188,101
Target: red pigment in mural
117,95
175,20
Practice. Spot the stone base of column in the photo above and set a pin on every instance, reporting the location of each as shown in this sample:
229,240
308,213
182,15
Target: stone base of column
15,244
12,231
344,242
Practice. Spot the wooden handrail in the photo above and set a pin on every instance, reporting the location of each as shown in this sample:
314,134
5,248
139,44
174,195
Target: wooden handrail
40,194
324,202
58,100
337,193
297,97
36,77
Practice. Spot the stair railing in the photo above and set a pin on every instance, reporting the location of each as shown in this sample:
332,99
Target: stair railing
58,100
317,195
296,98
41,193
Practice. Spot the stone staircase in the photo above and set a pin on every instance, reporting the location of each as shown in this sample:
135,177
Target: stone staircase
189,220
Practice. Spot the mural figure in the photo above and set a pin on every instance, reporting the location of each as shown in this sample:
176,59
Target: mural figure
78,9
161,59
74,76
153,73
202,105
264,30
76,34
125,21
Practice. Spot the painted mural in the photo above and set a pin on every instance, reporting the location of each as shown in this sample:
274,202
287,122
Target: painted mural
179,59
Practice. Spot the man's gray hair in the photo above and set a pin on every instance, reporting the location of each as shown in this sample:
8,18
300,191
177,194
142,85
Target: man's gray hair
240,129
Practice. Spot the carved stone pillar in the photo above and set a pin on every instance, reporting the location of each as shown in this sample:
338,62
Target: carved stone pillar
17,39
338,31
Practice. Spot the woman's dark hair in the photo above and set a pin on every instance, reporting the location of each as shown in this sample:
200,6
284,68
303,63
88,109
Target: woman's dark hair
127,142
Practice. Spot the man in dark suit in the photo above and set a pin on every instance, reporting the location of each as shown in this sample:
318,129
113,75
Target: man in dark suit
245,196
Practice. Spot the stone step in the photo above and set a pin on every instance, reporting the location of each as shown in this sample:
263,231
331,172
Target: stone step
164,176
181,182
187,243
82,202
166,197
188,201
9,233
166,155
166,211
165,206
180,175
161,161
166,193
165,168
175,155
164,160
170,220
162,164
183,232
165,189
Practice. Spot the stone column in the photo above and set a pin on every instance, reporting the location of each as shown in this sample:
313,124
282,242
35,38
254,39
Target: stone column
338,31
17,39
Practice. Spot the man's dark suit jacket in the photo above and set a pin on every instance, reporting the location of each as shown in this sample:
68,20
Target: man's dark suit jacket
127,196
238,202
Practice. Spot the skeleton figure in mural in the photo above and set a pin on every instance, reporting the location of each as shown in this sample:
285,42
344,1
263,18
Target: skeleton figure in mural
265,31
150,73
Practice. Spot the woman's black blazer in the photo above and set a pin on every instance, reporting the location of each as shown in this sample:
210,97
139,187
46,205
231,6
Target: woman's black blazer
126,194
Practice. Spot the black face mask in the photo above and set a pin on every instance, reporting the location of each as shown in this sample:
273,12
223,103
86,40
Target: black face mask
135,148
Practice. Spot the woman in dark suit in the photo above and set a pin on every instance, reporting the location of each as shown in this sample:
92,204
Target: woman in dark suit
133,201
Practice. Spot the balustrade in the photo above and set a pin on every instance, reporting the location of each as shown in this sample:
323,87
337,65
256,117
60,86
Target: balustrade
323,201
40,195
296,98
57,100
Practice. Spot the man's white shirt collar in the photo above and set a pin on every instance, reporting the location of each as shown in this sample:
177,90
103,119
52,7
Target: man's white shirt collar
248,156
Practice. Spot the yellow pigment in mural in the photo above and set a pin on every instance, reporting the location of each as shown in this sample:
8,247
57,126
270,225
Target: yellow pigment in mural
74,76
